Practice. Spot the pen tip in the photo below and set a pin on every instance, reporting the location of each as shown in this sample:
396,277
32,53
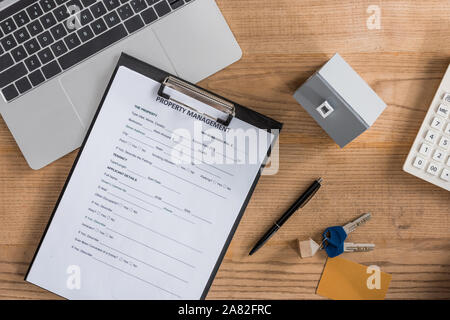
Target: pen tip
319,180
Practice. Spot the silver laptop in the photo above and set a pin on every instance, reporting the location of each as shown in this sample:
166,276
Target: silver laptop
56,57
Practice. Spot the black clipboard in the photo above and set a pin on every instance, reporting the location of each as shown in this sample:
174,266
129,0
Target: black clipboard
230,108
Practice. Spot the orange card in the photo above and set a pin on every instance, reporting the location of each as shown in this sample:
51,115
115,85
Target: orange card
346,280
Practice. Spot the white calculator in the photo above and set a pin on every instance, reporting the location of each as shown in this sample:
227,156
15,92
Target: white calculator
429,158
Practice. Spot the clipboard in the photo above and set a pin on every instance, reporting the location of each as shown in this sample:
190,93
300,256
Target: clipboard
228,108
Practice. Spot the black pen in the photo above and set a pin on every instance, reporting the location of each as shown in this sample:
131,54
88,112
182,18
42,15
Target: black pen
300,203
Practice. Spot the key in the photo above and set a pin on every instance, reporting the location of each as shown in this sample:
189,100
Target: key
134,24
351,226
358,247
98,10
176,3
34,11
138,5
149,15
445,175
8,26
431,136
162,8
434,169
21,18
12,74
35,28
10,92
36,77
443,111
334,237
437,123
425,149
48,20
308,248
111,4
45,39
5,62
31,46
112,19
125,12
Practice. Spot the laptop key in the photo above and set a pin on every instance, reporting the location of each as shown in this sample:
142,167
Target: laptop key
98,26
6,61
58,31
61,13
35,28
98,10
23,85
89,48
34,11
8,42
8,26
19,53
176,3
31,46
50,70
72,41
45,39
111,4
12,74
22,35
10,92
58,48
85,33
45,55
48,20
125,12
112,19
134,24
32,63
21,18
47,5
149,15
86,17
162,8
36,77
138,5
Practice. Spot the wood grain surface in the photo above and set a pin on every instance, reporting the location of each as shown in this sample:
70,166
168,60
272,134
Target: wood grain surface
284,42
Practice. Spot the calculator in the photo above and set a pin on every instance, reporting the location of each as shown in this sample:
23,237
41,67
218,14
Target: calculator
429,157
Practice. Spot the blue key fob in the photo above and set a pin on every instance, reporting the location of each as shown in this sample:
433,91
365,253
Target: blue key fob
335,238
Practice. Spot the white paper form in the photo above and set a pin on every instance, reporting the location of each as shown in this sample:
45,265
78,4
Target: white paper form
135,221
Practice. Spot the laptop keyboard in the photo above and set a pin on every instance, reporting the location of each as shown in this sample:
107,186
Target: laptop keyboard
41,41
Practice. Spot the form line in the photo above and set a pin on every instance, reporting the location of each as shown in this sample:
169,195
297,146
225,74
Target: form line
151,248
136,277
147,264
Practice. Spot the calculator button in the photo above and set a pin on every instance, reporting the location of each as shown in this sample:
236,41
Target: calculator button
445,175
444,143
434,169
448,161
431,136
439,156
446,98
425,149
419,163
443,111
437,123
447,129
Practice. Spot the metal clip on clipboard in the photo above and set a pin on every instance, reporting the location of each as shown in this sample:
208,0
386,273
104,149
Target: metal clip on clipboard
200,95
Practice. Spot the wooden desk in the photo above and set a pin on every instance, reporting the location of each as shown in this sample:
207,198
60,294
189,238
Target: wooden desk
284,42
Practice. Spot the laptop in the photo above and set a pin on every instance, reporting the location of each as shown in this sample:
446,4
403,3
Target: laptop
56,58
